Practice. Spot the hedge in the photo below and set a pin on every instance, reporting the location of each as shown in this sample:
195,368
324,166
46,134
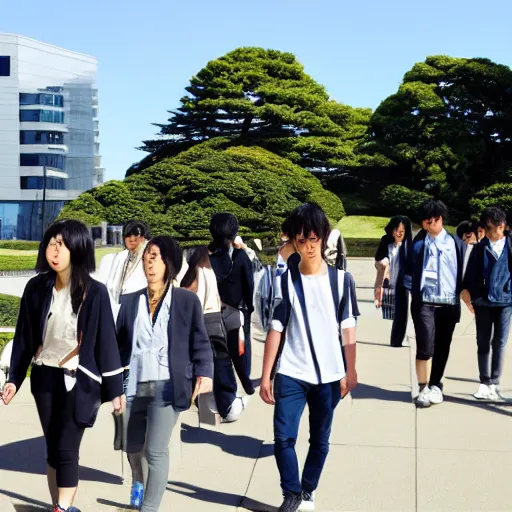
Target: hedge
361,247
8,262
19,245
9,305
5,337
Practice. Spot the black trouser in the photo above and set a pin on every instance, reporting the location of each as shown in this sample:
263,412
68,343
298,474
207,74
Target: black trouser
434,326
242,363
63,436
401,316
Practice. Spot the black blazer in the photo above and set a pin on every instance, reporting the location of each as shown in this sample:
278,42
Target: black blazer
190,351
99,375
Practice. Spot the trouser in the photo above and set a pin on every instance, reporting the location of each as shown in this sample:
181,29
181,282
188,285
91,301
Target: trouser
399,327
434,326
224,384
242,363
486,319
63,436
150,421
291,396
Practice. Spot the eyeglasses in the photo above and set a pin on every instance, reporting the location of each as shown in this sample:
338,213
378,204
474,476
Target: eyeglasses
55,244
312,240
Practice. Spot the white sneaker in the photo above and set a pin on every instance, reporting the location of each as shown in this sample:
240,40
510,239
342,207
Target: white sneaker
422,400
236,409
494,393
483,393
436,395
308,502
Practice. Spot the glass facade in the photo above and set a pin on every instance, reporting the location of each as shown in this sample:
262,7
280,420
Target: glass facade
54,100
44,159
33,137
5,66
23,220
42,116
37,183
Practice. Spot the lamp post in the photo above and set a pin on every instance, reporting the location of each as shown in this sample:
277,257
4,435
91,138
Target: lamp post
44,202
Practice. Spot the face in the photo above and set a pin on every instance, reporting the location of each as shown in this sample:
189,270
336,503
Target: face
469,238
481,233
58,255
309,248
493,231
154,266
399,233
433,226
133,242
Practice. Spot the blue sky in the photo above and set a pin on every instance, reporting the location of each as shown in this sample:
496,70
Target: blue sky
147,51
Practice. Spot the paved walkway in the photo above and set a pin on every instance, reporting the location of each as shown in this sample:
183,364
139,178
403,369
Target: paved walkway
385,455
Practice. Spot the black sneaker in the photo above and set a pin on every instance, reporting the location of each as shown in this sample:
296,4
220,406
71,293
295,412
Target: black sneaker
308,502
291,502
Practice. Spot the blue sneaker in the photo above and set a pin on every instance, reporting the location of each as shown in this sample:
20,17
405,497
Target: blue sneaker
137,495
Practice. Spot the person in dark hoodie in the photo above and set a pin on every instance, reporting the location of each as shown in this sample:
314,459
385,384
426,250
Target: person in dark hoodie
390,264
65,326
488,294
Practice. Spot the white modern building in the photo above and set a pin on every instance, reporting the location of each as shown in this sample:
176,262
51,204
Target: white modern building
49,135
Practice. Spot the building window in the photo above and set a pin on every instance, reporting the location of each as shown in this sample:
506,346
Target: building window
42,160
37,183
5,66
42,116
53,100
33,137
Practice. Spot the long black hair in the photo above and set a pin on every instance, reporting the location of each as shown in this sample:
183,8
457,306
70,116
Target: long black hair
199,257
394,223
171,254
78,241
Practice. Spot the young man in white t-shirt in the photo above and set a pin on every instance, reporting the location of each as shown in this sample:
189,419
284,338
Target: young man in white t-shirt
315,303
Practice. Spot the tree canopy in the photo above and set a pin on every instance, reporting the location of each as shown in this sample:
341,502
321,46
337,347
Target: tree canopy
265,98
178,195
449,127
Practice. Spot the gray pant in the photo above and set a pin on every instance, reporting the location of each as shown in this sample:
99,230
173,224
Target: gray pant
149,423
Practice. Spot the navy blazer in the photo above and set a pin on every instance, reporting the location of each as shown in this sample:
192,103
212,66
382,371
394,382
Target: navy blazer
99,374
190,351
415,259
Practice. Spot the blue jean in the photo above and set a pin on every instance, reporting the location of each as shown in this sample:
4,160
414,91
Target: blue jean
486,318
291,396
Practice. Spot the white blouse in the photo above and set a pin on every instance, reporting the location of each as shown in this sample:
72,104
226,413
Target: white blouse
207,291
60,337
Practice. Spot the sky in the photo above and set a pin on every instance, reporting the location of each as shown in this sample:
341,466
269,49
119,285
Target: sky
148,51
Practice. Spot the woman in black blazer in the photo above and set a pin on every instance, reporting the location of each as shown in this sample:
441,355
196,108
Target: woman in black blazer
65,326
163,340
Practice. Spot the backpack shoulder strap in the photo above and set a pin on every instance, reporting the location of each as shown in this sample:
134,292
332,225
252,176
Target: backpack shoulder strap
286,297
333,279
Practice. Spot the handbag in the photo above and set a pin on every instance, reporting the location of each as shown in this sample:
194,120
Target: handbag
388,302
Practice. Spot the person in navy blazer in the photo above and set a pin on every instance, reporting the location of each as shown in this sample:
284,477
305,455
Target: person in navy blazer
163,341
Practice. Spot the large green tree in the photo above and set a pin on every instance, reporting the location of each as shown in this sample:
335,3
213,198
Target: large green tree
449,127
264,98
178,195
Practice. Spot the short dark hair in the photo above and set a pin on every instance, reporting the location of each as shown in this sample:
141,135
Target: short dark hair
432,209
78,241
309,218
467,226
394,222
199,258
136,228
493,215
223,228
171,254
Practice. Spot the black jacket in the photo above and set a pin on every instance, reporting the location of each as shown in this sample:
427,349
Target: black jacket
99,374
190,351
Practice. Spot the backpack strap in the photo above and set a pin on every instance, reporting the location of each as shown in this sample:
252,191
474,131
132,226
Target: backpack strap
286,297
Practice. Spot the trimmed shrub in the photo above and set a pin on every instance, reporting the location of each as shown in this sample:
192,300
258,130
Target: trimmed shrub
499,194
17,262
9,305
19,245
400,200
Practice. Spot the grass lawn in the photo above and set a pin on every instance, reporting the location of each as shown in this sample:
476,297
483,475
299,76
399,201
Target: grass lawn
362,226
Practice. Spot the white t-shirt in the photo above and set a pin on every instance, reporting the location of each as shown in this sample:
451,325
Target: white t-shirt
297,358
498,246
60,336
207,291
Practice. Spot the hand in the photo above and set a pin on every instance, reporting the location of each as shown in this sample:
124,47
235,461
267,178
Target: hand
267,391
119,404
466,297
348,383
203,385
378,296
8,393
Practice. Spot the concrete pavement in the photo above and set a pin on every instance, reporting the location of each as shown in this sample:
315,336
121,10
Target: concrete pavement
385,454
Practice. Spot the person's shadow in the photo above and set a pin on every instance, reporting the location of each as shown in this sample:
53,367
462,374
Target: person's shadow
237,445
29,456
